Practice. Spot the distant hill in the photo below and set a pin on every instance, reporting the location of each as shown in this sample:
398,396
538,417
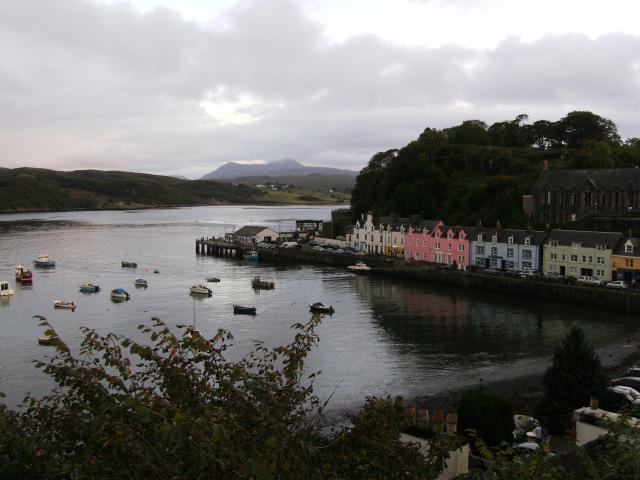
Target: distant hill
24,189
279,168
314,181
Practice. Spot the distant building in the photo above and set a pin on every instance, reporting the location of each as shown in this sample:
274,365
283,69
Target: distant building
506,249
312,227
253,234
561,196
575,253
626,261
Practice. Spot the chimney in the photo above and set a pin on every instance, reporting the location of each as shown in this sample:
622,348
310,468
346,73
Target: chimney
546,165
498,225
452,424
593,403
437,422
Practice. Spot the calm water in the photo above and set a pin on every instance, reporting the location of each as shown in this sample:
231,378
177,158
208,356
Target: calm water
387,336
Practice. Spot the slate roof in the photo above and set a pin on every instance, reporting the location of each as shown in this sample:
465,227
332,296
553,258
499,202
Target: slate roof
349,229
249,230
422,224
600,178
587,239
536,237
619,249
394,222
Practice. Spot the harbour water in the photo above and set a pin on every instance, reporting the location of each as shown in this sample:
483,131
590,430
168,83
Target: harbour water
387,337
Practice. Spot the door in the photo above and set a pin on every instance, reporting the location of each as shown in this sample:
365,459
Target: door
562,270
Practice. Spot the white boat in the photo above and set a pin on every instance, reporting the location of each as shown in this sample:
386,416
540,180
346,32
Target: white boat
62,304
44,261
5,289
119,294
251,255
201,289
359,267
89,288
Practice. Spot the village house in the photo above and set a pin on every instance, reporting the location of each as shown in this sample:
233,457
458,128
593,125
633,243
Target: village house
385,237
253,234
625,261
393,235
576,253
432,241
506,249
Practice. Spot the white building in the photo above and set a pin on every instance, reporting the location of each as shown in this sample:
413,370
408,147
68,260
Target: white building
253,234
384,238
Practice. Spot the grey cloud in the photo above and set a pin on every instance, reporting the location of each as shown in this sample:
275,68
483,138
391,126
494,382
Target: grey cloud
88,85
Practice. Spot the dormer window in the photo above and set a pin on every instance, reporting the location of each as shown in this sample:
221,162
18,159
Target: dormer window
553,243
494,238
601,247
450,235
480,238
510,240
578,245
527,242
628,248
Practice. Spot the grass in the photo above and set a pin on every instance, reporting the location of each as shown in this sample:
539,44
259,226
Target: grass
303,196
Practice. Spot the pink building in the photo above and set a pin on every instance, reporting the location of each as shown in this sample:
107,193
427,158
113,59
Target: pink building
437,243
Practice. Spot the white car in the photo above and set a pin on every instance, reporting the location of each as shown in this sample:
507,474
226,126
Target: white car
628,392
617,284
526,273
586,280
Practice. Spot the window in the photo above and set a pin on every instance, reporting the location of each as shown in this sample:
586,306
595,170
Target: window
460,260
510,252
574,258
417,243
509,265
437,246
450,235
526,254
494,238
365,236
573,270
510,240
564,257
480,262
494,251
527,242
600,247
417,255
480,238
600,260
449,247
587,199
600,273
628,262
552,267
590,259
424,244
628,248
553,256
584,259
553,243
547,198
526,265
461,247
576,244
480,250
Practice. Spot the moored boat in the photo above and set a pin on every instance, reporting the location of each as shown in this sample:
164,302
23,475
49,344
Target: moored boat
141,282
23,274
360,267
89,288
155,270
5,289
244,310
119,294
212,279
201,289
45,340
262,284
62,304
251,255
44,261
318,307
128,264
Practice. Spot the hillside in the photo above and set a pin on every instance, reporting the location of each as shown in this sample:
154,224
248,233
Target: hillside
315,181
24,189
277,169
474,173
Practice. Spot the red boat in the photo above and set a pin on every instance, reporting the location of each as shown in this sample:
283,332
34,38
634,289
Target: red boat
23,275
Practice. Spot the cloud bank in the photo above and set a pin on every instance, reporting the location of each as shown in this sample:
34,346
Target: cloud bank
85,85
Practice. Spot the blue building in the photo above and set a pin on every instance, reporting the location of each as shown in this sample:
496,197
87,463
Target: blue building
506,249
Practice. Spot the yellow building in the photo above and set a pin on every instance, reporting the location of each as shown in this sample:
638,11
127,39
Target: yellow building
625,261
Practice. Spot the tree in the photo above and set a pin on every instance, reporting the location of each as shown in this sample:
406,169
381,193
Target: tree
490,416
575,375
579,127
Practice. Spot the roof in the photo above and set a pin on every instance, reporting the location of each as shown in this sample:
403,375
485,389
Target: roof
599,178
395,222
250,230
536,237
585,238
349,229
620,248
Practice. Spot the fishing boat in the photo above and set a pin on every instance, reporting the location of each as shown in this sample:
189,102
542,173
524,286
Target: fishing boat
141,282
128,264
201,289
89,288
23,275
43,261
119,294
212,279
318,307
244,310
258,284
62,304
359,267
155,270
45,340
5,289
251,255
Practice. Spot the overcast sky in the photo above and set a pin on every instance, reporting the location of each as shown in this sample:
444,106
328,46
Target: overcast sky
179,87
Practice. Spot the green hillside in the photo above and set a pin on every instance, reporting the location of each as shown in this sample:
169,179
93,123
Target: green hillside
474,173
24,189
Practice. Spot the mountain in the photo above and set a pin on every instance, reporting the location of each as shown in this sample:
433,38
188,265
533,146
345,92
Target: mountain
24,189
279,168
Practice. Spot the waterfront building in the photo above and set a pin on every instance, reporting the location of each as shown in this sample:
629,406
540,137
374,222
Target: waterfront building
625,261
253,234
310,227
561,196
506,249
385,237
432,241
576,253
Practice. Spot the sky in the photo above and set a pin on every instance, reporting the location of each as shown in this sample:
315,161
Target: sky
179,87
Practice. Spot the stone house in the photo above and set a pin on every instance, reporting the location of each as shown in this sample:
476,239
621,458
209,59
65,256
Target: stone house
506,249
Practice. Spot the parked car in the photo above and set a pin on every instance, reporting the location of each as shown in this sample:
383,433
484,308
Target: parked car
619,284
629,394
526,274
634,371
631,382
586,280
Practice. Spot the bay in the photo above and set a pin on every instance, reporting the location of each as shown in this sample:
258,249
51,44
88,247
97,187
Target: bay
387,337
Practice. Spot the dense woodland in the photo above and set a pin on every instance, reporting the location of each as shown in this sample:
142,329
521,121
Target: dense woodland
40,189
474,172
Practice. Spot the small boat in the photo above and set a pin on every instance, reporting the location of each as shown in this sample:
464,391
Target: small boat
359,267
119,294
212,279
155,270
5,289
45,340
44,261
89,288
23,275
318,307
129,264
62,304
261,284
141,282
201,289
244,310
251,255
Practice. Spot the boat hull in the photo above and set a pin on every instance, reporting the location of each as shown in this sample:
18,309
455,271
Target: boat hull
64,305
239,309
44,264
